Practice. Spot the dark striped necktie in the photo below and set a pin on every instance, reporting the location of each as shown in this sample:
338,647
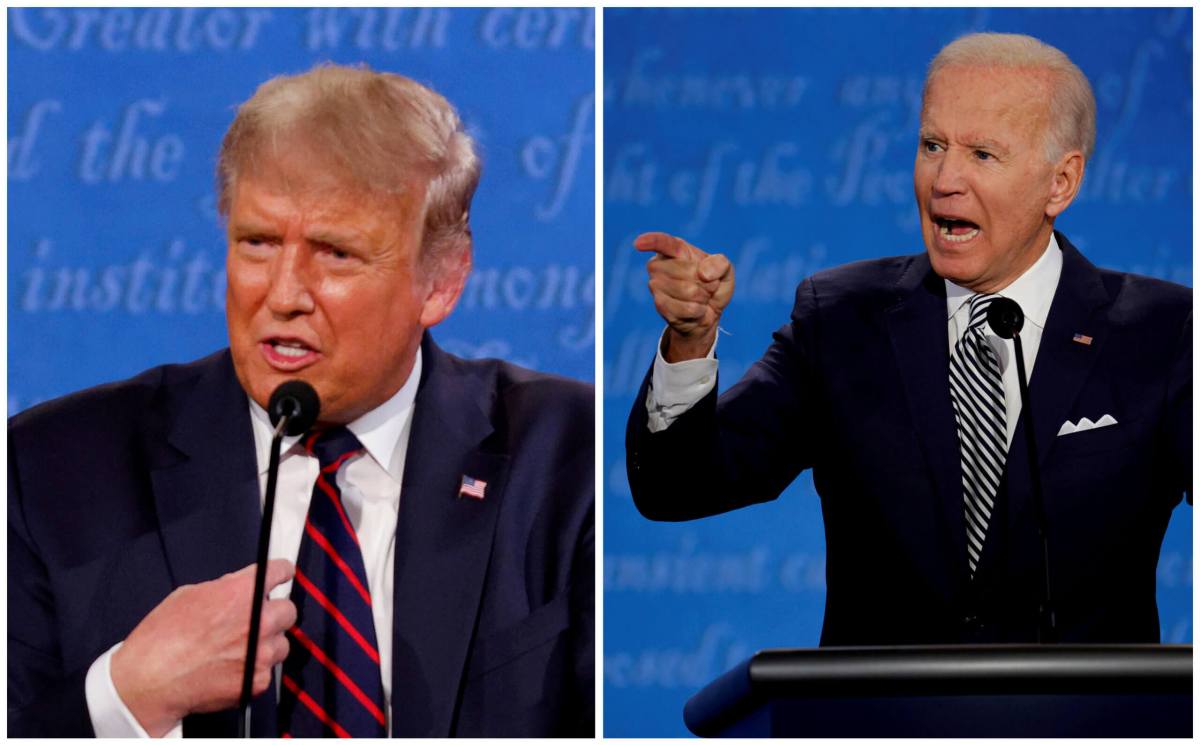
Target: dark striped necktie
331,679
977,392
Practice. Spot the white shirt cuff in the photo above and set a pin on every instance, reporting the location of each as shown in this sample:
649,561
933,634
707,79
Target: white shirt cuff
676,387
110,717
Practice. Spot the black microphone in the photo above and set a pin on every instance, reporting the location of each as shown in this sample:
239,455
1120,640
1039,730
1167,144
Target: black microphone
1006,319
296,401
1003,315
293,409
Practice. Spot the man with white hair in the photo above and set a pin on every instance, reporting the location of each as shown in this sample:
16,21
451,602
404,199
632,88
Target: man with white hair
889,383
431,566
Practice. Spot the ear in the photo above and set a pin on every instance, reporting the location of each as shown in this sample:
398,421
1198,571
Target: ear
446,281
1068,175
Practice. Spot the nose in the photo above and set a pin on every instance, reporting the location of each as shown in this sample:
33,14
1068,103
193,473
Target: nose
950,176
290,294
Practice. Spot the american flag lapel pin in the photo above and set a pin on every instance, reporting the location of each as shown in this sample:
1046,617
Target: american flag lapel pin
472,488
1082,339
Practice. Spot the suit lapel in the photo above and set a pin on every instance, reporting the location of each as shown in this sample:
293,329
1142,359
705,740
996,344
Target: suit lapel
1061,366
208,497
917,328
443,543
206,492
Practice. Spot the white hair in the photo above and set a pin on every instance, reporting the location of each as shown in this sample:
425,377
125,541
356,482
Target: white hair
1071,105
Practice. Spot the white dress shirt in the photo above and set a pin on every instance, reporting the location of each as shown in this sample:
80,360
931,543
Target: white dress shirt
1033,291
677,387
370,486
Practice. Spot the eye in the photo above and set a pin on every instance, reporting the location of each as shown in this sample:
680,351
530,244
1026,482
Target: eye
930,146
335,252
984,155
256,243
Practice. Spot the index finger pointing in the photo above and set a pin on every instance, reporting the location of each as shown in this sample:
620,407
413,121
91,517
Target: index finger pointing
663,244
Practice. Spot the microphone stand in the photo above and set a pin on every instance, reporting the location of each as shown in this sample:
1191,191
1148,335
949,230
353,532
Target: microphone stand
260,577
1047,632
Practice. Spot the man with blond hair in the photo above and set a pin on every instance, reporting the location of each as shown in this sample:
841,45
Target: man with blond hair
891,386
431,557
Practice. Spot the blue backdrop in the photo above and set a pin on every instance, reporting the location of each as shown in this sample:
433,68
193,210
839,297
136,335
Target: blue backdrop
785,138
115,250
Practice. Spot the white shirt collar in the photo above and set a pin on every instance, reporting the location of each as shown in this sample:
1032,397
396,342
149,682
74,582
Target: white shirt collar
1033,290
378,430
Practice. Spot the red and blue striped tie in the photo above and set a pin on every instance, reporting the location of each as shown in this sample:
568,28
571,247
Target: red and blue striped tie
331,680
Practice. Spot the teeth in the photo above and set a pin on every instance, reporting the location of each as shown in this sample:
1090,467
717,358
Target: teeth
288,349
945,231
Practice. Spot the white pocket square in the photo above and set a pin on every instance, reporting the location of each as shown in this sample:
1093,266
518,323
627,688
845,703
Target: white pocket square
1068,428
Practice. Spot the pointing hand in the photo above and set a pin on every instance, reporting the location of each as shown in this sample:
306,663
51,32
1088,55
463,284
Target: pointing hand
690,288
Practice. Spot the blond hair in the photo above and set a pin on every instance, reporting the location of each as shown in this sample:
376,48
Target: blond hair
1072,107
386,132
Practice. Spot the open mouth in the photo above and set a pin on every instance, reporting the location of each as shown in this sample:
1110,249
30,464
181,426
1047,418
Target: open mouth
288,353
956,231
292,349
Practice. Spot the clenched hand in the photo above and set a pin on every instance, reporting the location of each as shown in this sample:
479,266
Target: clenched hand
187,654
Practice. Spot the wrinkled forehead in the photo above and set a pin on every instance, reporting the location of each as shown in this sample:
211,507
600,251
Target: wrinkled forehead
1018,95
1006,81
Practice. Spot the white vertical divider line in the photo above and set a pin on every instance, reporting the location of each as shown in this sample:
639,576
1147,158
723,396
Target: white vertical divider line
598,313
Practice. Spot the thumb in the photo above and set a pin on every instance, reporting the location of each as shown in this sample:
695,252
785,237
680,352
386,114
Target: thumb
278,572
714,267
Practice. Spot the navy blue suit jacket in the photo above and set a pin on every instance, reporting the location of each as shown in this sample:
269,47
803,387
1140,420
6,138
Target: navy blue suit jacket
119,494
856,388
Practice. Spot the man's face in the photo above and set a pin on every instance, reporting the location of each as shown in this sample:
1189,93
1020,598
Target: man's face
982,180
325,285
